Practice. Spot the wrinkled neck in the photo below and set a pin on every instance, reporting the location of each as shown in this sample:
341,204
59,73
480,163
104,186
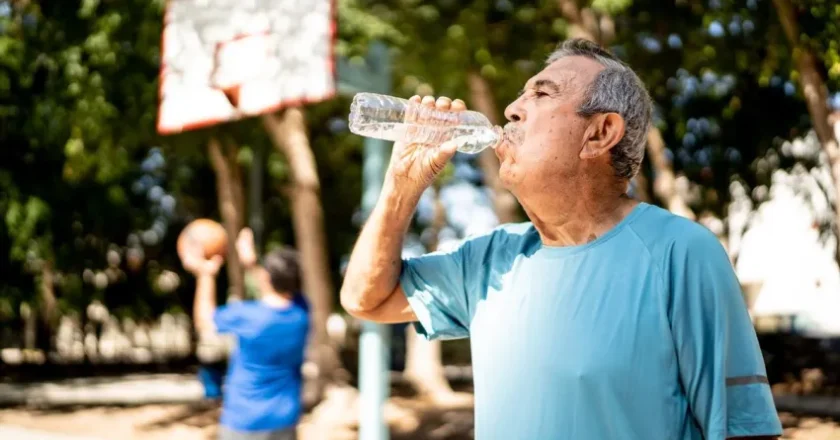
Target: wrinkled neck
579,215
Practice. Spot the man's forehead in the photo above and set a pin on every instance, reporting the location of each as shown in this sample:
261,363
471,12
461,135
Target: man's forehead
567,72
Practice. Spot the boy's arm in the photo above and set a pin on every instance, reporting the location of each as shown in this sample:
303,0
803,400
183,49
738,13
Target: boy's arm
204,303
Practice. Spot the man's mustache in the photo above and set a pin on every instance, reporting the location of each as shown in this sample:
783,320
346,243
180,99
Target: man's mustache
513,133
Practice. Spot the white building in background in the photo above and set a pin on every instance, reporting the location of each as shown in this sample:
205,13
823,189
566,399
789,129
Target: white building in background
785,249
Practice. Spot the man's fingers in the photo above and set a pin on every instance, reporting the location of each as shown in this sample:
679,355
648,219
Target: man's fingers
458,106
443,103
428,101
415,99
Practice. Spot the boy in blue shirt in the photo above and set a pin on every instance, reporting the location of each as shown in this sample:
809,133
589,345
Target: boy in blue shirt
262,392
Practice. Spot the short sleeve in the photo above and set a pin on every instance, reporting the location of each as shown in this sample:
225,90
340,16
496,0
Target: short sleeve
227,318
441,287
721,366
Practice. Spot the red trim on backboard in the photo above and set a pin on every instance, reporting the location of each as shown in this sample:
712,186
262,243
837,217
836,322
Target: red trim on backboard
161,70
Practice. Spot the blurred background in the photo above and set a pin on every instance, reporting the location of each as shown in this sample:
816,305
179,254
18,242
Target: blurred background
110,146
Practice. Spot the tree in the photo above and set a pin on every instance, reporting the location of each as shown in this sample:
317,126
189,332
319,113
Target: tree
232,208
814,89
60,105
288,133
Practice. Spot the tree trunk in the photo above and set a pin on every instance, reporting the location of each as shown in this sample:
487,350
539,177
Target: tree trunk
231,218
48,312
816,98
30,327
288,134
585,23
504,203
237,186
423,362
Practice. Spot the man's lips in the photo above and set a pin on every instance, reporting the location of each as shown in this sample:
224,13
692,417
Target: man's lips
513,136
501,150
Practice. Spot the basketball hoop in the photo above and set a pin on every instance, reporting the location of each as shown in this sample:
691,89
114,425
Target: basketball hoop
238,61
226,59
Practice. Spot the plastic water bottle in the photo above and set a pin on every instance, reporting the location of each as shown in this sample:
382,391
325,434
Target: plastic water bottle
399,120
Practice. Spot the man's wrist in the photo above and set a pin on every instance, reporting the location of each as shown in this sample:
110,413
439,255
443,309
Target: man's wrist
400,200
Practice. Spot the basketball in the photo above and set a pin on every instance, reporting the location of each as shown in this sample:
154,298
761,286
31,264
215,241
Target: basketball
209,233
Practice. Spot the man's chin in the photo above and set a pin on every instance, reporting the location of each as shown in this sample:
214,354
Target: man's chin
506,175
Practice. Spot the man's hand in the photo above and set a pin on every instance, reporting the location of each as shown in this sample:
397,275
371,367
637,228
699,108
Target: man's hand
371,288
194,261
415,166
245,248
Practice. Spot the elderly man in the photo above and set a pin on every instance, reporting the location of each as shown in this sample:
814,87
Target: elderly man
601,318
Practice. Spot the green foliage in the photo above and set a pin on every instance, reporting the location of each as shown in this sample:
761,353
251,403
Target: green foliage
358,27
611,7
79,93
23,221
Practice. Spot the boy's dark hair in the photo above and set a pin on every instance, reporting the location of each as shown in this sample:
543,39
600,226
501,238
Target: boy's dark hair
283,267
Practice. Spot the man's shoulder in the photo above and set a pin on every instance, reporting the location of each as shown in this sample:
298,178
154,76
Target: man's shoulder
664,232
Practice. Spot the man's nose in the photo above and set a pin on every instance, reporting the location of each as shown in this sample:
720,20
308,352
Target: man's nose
514,112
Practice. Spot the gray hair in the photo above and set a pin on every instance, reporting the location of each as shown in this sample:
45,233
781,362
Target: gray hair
616,89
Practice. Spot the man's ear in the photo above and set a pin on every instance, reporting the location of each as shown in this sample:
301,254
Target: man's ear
603,133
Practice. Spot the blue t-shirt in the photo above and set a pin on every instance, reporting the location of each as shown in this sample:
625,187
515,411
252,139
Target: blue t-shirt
263,386
640,334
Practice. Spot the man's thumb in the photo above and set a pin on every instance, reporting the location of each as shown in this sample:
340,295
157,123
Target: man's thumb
445,151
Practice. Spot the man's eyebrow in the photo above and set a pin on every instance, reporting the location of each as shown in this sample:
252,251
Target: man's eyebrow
547,84
543,84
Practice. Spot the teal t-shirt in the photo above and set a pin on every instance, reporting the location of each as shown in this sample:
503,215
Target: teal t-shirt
640,334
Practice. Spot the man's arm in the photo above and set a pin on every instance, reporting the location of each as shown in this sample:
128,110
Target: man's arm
720,362
371,288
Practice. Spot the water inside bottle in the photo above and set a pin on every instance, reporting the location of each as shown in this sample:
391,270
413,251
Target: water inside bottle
470,139
389,118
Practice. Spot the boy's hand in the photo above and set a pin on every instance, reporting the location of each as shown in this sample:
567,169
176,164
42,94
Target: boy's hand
194,261
245,248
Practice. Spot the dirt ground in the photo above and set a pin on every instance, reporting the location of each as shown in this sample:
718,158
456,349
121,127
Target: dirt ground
410,419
